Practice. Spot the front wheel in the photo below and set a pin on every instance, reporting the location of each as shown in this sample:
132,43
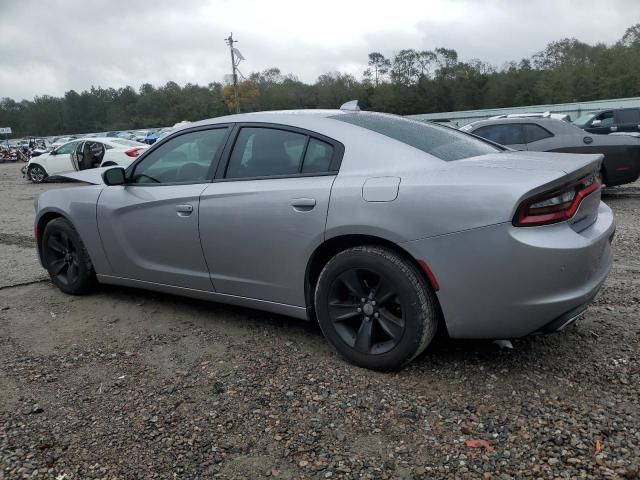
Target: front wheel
66,259
36,174
375,307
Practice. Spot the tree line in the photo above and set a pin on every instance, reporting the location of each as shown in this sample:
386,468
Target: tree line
409,81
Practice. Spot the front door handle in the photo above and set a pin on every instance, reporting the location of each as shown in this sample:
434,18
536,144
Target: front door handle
184,210
303,204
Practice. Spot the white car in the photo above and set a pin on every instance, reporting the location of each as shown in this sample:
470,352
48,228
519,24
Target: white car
84,153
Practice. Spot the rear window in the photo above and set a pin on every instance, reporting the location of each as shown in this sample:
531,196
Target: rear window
127,143
444,143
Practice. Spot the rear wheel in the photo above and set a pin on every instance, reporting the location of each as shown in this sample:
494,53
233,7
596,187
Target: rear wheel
375,307
66,259
36,173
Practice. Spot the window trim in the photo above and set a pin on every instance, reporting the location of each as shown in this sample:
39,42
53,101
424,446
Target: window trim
334,166
526,137
130,170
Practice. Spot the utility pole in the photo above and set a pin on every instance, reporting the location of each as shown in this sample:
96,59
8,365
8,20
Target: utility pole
234,65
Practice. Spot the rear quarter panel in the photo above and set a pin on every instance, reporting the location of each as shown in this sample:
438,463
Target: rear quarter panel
433,198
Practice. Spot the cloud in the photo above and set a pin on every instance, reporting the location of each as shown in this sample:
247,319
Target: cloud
54,46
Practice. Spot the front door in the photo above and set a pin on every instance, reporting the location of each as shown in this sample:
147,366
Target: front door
149,227
61,160
260,223
602,123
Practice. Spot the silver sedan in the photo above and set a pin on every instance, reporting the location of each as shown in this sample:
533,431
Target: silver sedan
381,228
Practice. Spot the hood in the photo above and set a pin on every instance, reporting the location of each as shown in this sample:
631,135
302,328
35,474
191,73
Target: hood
92,176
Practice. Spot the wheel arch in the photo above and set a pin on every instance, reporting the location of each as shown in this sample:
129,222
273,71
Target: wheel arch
41,224
37,164
332,246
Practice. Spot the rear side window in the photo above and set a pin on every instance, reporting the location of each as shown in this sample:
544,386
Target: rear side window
504,134
318,157
262,152
631,115
533,132
442,142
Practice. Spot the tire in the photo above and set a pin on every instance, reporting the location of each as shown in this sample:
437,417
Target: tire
36,173
604,176
109,164
397,319
66,259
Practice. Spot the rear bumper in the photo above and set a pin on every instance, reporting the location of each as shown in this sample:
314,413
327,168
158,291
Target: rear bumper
503,281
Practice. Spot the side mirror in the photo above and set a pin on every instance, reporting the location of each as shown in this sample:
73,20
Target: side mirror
114,176
596,123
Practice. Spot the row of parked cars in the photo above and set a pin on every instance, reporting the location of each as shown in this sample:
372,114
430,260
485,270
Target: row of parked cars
613,133
75,153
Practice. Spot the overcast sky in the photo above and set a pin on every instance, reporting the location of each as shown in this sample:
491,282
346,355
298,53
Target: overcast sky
51,46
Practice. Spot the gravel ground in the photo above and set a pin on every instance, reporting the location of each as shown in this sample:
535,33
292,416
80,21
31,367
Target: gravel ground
130,384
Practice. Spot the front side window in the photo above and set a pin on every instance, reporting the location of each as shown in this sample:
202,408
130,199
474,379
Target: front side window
67,148
533,132
187,158
583,120
504,134
606,119
262,152
444,143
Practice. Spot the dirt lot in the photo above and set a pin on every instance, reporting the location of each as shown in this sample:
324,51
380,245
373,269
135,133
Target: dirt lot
130,384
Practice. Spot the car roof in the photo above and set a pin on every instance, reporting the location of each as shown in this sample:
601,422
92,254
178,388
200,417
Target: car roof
552,124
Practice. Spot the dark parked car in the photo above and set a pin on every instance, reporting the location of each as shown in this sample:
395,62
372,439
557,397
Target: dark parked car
608,121
621,152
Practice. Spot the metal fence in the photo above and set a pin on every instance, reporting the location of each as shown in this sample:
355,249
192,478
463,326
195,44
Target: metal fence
574,109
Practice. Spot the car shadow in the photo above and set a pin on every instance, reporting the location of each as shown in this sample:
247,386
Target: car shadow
444,353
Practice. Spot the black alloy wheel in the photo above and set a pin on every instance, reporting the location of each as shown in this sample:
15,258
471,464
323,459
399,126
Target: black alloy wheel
66,259
375,307
63,258
366,311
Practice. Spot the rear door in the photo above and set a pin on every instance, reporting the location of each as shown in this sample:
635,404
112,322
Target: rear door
627,120
149,227
266,212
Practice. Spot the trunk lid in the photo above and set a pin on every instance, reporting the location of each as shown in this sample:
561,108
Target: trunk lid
570,168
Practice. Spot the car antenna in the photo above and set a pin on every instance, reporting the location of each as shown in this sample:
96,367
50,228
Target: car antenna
351,106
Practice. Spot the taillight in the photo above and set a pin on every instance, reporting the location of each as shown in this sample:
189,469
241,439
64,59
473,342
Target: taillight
555,206
133,152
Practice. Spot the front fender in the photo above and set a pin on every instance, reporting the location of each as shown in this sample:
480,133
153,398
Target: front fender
79,206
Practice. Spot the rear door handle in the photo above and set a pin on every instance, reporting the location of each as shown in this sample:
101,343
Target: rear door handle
303,204
184,210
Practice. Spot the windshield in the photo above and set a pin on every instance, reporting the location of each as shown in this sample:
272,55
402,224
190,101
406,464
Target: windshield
444,143
582,120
